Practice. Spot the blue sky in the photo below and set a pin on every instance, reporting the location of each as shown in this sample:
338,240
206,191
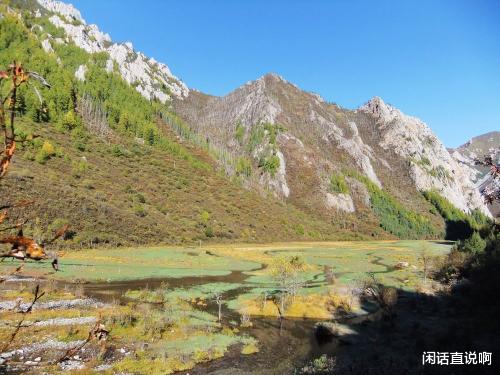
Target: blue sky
438,60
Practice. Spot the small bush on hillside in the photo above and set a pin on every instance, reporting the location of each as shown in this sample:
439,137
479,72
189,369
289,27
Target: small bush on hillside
300,230
272,131
139,210
78,168
209,232
80,138
68,122
239,133
204,217
243,167
257,134
45,153
117,151
140,198
338,184
473,245
270,164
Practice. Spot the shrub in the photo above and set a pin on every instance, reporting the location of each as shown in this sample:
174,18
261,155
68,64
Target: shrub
339,304
389,297
257,134
338,184
209,232
201,356
117,151
319,366
68,122
46,152
78,168
155,325
272,130
449,267
139,210
473,245
204,217
80,138
239,133
140,198
243,167
386,297
250,349
126,318
300,230
270,164
425,160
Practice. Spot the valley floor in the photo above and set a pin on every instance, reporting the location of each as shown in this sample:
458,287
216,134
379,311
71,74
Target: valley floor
160,305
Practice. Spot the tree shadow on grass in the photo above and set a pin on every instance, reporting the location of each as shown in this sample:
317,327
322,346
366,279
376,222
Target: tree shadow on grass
457,230
462,321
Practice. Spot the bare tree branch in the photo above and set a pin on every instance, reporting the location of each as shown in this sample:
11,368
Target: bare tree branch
19,325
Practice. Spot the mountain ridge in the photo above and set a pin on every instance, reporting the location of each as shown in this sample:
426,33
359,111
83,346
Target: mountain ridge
264,101
339,172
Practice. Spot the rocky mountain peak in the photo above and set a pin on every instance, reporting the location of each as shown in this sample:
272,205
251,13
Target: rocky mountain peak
379,109
272,77
431,165
66,10
152,79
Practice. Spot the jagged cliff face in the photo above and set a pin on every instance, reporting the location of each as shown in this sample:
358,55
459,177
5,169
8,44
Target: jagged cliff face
431,165
313,138
151,78
477,148
396,152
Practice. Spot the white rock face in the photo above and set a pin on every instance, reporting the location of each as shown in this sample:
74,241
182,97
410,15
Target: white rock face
342,202
67,10
278,183
359,190
80,72
252,103
431,165
354,146
152,79
47,47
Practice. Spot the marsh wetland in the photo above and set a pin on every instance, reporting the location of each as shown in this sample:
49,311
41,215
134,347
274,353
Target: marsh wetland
161,305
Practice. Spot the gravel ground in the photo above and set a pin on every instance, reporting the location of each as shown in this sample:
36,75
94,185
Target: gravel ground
61,304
